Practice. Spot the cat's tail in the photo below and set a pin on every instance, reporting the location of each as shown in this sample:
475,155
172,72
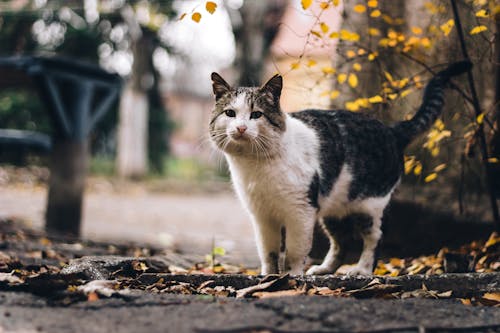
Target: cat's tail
432,104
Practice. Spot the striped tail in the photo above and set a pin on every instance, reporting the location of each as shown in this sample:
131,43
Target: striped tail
432,104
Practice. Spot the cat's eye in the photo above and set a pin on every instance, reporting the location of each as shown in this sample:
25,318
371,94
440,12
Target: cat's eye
230,113
255,115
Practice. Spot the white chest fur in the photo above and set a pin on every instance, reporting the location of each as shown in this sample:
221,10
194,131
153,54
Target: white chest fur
271,187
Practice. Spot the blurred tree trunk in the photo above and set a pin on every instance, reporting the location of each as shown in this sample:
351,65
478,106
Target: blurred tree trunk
370,78
134,106
254,33
142,125
495,141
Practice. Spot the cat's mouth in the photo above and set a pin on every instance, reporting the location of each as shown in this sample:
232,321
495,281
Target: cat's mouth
240,137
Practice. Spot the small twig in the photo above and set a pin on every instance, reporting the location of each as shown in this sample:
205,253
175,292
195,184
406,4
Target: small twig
477,110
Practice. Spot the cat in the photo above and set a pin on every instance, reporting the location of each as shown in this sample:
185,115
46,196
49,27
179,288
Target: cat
292,170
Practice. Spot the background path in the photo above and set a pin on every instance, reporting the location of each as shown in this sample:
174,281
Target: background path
187,222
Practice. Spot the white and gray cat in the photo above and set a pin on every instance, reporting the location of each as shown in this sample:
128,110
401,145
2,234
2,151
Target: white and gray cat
292,170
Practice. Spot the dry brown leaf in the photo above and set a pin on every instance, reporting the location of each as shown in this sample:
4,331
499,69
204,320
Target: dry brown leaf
275,283
491,299
466,301
10,278
279,293
92,297
374,289
325,291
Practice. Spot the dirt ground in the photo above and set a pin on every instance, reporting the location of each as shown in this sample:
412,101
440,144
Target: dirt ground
131,212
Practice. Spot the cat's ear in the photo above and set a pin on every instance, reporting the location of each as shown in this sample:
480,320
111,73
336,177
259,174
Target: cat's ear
274,86
219,86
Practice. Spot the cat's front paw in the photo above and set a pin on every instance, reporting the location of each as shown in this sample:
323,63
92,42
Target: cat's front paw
359,270
318,270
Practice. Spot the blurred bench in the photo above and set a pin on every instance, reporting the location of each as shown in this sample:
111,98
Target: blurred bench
77,96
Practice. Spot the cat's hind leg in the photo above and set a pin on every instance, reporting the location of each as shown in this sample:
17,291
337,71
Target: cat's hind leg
336,253
371,235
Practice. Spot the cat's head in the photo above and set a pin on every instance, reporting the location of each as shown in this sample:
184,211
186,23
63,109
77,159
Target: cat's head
247,120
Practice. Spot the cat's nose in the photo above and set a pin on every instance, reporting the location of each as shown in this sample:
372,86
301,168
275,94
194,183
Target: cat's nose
241,129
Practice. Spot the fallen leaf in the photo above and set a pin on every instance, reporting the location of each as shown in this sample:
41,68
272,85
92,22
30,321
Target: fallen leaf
92,297
276,283
466,301
491,299
374,289
102,287
325,291
10,278
279,293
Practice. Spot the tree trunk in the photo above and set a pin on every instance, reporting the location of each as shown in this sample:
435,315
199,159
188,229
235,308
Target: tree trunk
132,159
259,26
495,140
132,133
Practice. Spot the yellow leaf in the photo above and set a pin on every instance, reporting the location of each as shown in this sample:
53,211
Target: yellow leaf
356,67
425,42
341,78
405,93
334,94
210,6
418,169
359,8
375,99
440,167
493,160
334,35
480,118
372,56
295,65
430,177
182,16
392,96
409,164
350,54
324,27
306,3
352,106
375,13
372,3
435,151
478,29
388,76
482,13
416,30
446,27
311,63
196,17
328,70
373,32
353,80
363,102
349,35
403,82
